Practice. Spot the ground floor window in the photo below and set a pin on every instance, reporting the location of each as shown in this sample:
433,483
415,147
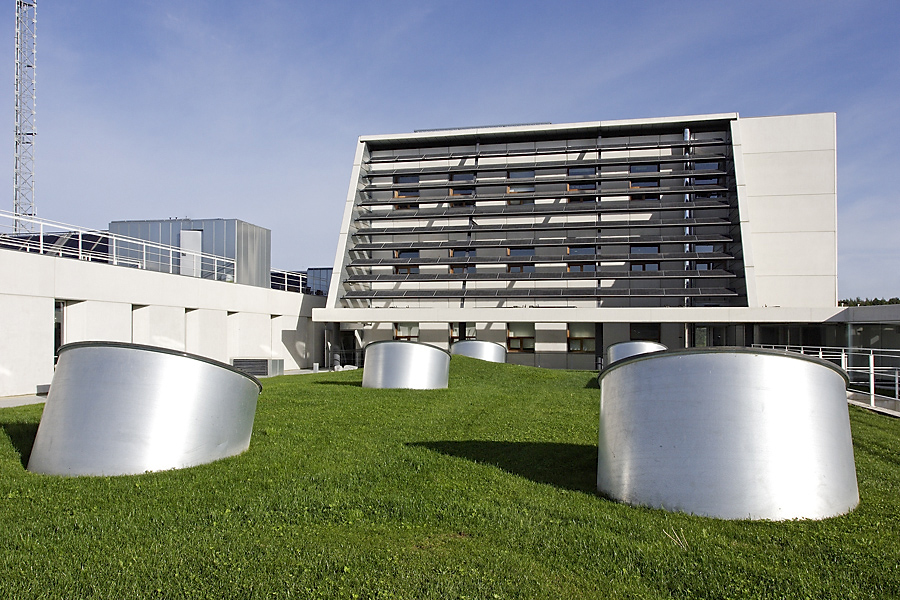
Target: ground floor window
645,332
581,337
406,332
709,335
520,337
461,331
59,313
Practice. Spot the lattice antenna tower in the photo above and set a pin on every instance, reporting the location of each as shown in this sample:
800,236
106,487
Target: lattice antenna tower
26,38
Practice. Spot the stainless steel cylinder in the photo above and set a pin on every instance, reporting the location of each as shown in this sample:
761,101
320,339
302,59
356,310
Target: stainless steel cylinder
410,365
489,351
627,349
122,409
733,433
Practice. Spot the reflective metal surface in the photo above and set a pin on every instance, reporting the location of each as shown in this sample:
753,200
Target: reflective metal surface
627,349
411,365
489,351
121,409
731,433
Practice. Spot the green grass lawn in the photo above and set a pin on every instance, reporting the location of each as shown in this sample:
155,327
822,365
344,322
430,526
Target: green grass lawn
485,490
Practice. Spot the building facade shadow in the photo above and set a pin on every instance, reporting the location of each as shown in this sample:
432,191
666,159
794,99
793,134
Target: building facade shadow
566,466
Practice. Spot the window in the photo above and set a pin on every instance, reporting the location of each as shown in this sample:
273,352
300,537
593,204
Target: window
520,337
582,171
647,183
706,181
520,269
574,250
407,332
462,177
461,203
519,188
645,332
645,197
708,266
406,269
521,174
582,268
582,186
581,337
59,312
461,252
645,266
581,199
520,251
519,201
464,191
643,249
462,269
706,166
405,180
643,183
461,331
704,248
405,206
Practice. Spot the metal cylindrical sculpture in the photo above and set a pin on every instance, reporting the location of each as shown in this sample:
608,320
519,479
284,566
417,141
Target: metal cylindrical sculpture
489,351
628,349
123,409
409,365
731,433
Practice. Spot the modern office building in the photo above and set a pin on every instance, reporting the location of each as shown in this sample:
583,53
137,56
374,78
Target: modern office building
559,240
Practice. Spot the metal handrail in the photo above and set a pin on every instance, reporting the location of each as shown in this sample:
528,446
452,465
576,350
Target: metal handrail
117,249
879,368
121,250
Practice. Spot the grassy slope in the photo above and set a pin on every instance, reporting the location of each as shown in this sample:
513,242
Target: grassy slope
480,491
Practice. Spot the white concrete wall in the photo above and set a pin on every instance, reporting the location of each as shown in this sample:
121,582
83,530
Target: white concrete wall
786,170
215,319
162,326
26,331
206,333
96,320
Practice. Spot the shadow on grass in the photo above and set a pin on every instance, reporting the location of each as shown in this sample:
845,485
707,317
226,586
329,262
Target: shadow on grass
593,383
22,437
567,466
344,383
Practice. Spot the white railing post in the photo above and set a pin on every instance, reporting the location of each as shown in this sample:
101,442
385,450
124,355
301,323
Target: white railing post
844,360
115,257
896,383
820,352
41,239
872,378
80,245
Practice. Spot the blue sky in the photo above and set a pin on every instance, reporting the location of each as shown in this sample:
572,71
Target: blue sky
251,110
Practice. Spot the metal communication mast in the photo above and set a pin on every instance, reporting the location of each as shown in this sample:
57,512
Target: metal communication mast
26,36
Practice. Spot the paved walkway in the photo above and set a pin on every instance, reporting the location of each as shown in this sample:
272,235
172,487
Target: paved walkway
21,400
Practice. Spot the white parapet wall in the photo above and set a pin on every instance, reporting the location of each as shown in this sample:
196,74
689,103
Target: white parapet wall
102,302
